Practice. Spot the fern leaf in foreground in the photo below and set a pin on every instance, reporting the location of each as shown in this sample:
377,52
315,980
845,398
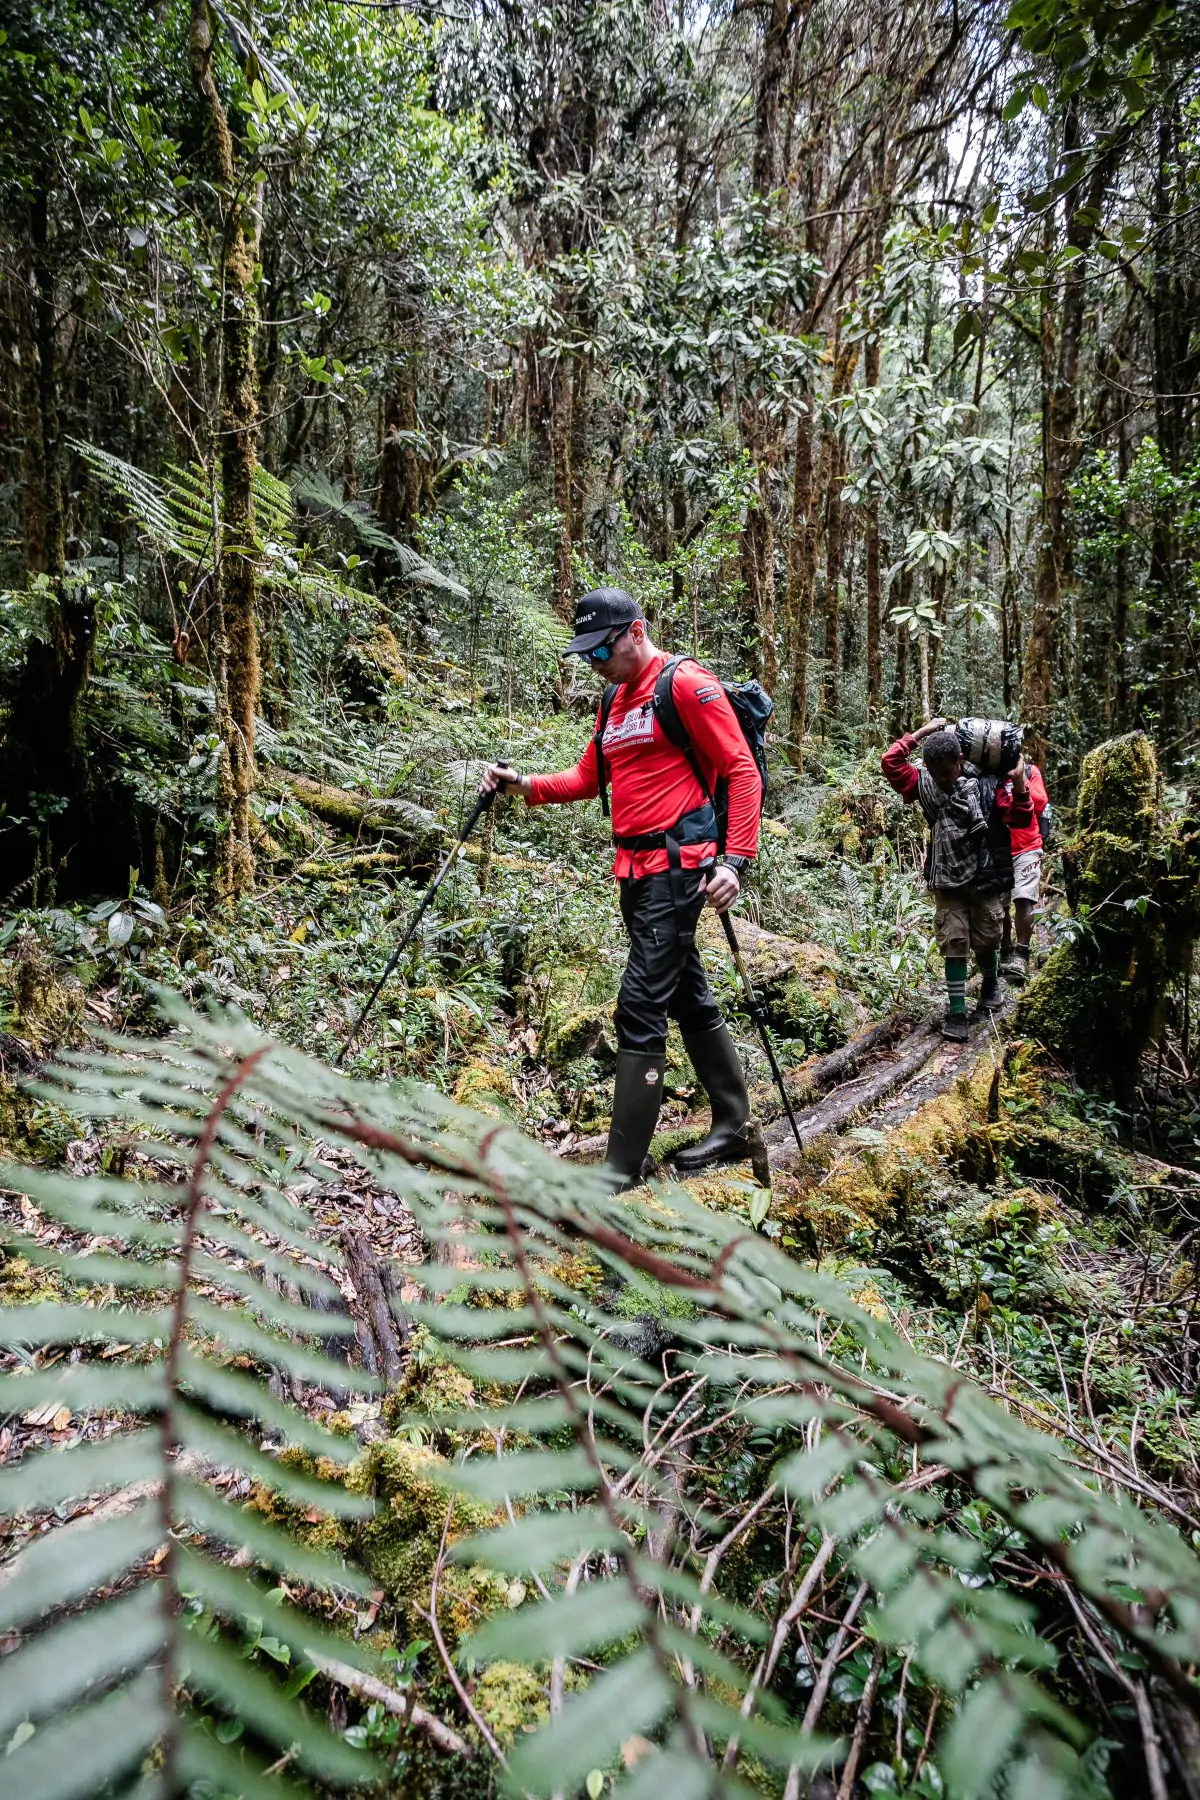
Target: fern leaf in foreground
674,1510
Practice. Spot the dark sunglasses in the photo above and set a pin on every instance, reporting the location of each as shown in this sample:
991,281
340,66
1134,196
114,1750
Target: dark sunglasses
603,651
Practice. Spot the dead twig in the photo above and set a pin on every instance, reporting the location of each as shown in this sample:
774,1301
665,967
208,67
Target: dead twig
369,1687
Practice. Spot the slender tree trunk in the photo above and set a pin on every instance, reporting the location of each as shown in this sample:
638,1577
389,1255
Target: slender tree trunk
897,720
1117,709
1061,334
829,500
581,379
560,460
43,748
237,576
1164,607
833,572
802,563
400,472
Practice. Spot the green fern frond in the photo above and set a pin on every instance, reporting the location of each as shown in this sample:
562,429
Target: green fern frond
322,499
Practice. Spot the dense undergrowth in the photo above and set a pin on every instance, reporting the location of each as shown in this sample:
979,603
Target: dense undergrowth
1011,1224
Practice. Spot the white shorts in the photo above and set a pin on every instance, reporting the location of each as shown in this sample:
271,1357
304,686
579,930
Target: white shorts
1027,875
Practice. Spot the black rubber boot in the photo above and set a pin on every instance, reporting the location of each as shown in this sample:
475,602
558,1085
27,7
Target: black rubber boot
715,1060
636,1102
991,995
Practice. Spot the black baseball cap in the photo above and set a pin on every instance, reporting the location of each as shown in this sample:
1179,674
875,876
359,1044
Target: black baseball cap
597,614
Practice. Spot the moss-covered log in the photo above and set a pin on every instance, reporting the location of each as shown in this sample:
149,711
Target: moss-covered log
1132,878
414,831
797,983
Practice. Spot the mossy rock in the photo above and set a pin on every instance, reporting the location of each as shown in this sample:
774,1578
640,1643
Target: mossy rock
485,1088
573,1004
588,1032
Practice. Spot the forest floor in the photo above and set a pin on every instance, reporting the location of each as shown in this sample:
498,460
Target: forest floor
996,1214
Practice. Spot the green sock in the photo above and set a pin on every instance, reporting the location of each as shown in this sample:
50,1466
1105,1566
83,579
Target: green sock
956,983
989,964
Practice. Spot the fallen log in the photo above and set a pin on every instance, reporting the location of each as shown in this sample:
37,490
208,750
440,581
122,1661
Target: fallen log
846,1102
366,815
379,1335
825,1071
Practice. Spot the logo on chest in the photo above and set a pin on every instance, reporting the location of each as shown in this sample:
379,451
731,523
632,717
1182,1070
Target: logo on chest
637,726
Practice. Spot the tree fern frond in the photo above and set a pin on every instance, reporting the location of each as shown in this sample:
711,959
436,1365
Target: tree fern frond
41,1578
322,499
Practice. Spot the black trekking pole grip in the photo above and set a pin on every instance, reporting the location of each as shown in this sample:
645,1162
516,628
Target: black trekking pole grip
482,804
756,1012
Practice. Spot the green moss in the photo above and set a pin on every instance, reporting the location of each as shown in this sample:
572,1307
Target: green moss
23,1284
485,1088
587,1032
400,1544
1131,880
799,984
1119,788
511,1697
373,665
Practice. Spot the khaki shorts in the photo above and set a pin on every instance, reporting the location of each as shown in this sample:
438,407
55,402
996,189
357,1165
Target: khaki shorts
963,921
1027,875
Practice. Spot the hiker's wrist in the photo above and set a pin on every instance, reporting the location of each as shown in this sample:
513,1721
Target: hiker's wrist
737,865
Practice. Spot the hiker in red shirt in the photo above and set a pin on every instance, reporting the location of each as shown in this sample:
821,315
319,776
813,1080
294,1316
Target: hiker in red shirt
665,831
1027,842
968,866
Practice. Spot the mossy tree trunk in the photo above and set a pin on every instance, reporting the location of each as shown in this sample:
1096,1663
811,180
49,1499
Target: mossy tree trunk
1133,883
234,642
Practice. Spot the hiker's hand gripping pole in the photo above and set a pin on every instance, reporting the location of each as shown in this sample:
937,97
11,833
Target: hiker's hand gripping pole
482,803
756,1012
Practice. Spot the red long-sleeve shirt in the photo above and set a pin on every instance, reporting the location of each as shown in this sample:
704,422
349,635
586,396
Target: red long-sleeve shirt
1016,810
652,783
1029,837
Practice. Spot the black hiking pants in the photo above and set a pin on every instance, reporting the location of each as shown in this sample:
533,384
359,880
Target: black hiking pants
664,977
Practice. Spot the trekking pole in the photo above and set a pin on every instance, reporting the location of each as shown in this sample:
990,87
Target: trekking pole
477,811
754,1007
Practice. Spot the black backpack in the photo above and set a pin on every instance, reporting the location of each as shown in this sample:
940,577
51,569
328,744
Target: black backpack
752,708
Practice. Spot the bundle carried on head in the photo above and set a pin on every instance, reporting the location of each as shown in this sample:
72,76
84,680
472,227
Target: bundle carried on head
993,745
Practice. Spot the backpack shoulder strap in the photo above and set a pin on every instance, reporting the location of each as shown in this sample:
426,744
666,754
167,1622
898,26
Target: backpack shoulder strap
667,714
606,705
